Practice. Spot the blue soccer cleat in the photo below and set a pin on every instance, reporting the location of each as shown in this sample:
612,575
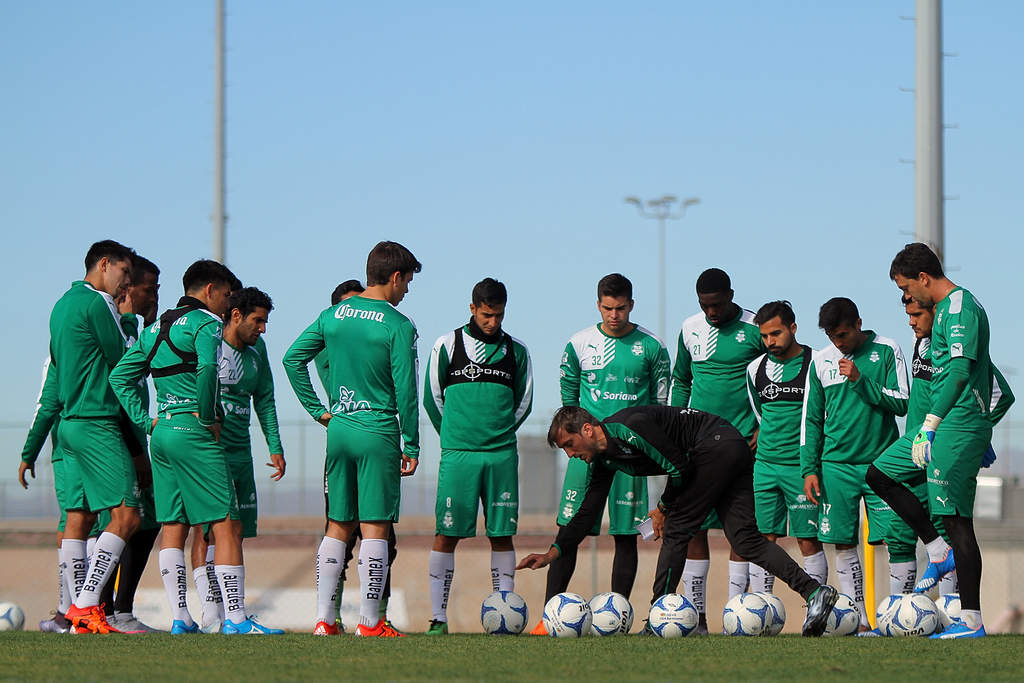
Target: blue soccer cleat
179,627
249,627
935,571
959,629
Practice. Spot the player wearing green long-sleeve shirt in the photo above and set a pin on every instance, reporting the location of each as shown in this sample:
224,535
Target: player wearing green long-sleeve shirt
372,425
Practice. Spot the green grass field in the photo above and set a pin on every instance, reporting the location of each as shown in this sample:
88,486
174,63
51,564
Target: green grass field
479,657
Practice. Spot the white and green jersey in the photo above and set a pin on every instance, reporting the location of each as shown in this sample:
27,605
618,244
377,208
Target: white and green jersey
776,391
605,374
711,365
852,422
478,392
246,382
961,330
371,367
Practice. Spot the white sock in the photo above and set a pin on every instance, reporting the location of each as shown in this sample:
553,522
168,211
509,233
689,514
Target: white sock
503,570
90,547
73,555
442,571
937,549
850,577
329,559
695,578
761,580
373,571
64,588
231,579
948,584
104,559
738,572
213,605
902,577
172,571
816,566
972,618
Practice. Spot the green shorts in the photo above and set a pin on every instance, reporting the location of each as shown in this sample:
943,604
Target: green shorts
467,478
191,480
95,450
364,470
842,487
59,488
244,479
778,496
147,509
627,499
953,472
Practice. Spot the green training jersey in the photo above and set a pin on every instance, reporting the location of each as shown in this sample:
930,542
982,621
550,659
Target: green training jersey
776,392
371,357
711,365
961,330
45,420
852,422
475,394
246,382
86,341
605,374
130,325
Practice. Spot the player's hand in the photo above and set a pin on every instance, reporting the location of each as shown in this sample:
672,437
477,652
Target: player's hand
324,419
143,471
812,488
538,560
125,303
989,457
847,368
409,465
214,429
277,462
658,521
26,467
753,441
921,451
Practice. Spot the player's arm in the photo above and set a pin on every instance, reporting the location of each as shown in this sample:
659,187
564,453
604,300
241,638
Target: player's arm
812,432
403,373
433,380
105,331
208,347
522,394
124,381
296,367
755,399
47,408
659,375
682,375
323,370
266,410
892,396
1002,396
569,376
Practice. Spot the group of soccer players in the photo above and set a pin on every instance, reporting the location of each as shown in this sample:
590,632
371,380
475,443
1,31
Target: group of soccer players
756,433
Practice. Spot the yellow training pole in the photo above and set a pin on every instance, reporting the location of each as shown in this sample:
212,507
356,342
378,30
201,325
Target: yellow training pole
869,573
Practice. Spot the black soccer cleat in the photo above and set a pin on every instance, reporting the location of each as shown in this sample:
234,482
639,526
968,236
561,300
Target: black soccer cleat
819,606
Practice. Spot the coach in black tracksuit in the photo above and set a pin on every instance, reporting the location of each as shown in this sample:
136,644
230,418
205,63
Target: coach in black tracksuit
709,466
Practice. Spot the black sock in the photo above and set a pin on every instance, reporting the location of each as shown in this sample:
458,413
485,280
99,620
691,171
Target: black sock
133,562
967,554
559,573
624,564
903,502
385,594
107,592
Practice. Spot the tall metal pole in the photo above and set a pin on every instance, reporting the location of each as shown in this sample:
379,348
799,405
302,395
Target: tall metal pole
661,277
929,210
219,218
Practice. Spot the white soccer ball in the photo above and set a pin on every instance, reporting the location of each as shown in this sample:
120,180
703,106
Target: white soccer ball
611,614
844,619
914,615
746,614
504,613
883,615
12,617
673,616
776,614
567,615
949,609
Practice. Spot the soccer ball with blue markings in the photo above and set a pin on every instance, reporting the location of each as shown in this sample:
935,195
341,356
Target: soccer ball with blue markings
567,615
914,615
611,614
844,620
746,614
883,615
504,613
776,614
672,616
12,618
949,609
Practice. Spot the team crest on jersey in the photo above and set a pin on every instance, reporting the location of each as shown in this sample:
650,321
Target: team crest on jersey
629,495
591,377
874,357
638,349
448,521
741,336
825,526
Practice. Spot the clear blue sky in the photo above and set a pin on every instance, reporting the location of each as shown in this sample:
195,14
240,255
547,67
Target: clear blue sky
499,139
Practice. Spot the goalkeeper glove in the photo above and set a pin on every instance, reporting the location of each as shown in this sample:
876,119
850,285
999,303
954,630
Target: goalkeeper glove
921,453
989,457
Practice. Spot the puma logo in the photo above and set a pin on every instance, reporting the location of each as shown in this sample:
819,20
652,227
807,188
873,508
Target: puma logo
943,501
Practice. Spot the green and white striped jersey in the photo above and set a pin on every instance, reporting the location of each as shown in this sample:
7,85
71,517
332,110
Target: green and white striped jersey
247,382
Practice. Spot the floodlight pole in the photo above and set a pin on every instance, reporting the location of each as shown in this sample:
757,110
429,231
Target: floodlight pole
929,210
218,217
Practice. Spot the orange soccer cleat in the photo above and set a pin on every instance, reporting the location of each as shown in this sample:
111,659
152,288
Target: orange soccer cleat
89,620
383,629
322,628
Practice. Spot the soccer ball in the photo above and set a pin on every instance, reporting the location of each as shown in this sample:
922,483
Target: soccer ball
883,615
844,620
12,618
914,615
672,616
504,613
746,614
948,607
776,614
567,615
611,614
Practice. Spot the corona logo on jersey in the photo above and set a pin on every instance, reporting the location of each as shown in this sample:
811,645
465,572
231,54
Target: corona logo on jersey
346,311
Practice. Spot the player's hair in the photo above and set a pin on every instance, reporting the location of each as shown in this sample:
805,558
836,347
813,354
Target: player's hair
248,299
344,288
388,258
571,419
781,309
616,286
713,281
142,265
914,259
906,299
837,311
206,272
109,249
491,292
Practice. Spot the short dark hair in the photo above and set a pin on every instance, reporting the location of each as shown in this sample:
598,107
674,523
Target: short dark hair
616,286
491,292
571,419
248,299
142,265
344,288
914,259
712,281
204,272
837,311
386,259
906,299
108,249
781,309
